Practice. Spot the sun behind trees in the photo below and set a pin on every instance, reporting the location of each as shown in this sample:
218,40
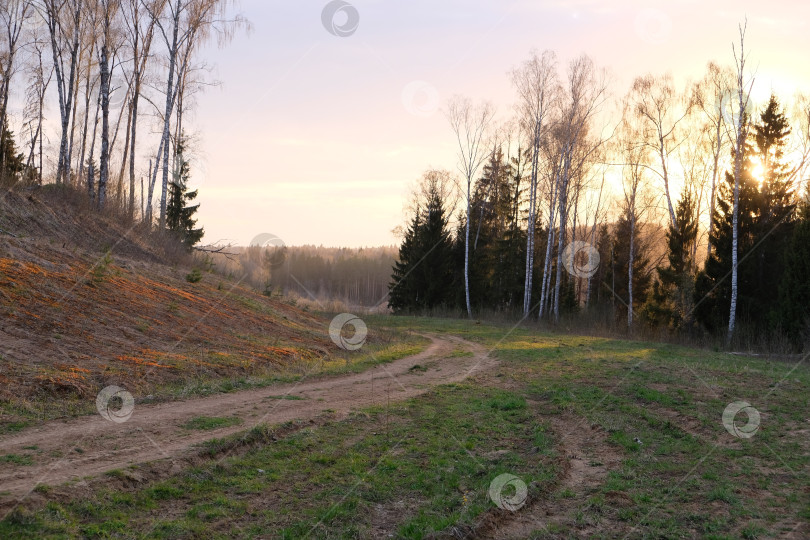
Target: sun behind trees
588,186
767,222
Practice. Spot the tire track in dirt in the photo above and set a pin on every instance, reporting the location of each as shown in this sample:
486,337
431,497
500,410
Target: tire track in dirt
586,457
154,431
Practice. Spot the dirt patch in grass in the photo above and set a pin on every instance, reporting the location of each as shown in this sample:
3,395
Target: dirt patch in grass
585,457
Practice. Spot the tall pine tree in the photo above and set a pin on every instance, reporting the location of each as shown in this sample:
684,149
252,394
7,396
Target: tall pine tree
669,302
766,218
793,316
179,215
11,163
423,275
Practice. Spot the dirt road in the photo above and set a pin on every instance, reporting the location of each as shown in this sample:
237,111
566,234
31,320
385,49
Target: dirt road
88,446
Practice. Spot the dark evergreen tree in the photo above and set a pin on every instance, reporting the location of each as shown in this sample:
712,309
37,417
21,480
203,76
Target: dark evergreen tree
793,316
423,276
12,164
403,291
179,215
602,285
669,301
777,214
766,217
616,277
511,267
498,236
490,219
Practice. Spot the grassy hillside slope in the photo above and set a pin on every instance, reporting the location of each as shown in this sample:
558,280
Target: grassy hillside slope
88,301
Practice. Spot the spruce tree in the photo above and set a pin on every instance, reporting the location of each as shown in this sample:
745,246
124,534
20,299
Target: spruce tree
766,217
793,316
510,265
490,219
777,212
423,277
669,302
402,293
11,163
179,215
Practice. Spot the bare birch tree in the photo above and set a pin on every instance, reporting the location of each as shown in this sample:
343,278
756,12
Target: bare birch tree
140,32
536,84
655,103
184,25
635,157
104,50
13,16
741,127
64,19
34,111
90,82
469,124
585,93
712,96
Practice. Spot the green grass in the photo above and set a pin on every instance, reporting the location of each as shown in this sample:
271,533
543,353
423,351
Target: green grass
425,465
16,459
440,452
207,423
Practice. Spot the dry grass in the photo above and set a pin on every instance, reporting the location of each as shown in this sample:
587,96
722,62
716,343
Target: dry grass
87,301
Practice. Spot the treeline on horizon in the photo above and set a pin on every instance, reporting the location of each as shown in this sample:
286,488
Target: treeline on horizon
680,213
324,278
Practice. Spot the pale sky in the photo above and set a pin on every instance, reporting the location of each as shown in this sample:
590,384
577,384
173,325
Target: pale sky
315,138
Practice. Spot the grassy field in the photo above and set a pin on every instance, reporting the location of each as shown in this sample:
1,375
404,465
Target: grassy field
611,439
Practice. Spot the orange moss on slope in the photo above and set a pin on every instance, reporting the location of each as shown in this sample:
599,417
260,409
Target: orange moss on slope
73,322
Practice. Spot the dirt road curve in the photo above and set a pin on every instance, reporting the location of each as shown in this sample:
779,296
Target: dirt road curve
155,432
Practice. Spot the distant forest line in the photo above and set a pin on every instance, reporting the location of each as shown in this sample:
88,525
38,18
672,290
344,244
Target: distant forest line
318,276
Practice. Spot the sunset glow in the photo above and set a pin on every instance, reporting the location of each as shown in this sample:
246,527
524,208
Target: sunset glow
303,112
